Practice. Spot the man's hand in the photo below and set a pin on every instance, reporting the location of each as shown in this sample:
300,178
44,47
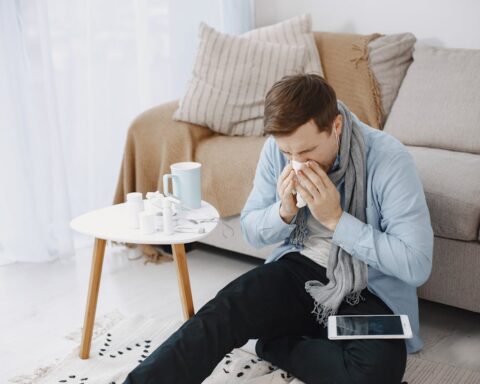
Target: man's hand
285,186
320,194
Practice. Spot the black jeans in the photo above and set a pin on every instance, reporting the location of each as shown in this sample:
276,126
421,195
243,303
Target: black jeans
270,303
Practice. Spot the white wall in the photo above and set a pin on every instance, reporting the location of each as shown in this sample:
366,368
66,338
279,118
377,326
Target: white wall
445,23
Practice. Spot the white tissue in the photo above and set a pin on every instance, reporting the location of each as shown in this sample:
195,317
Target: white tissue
154,202
300,202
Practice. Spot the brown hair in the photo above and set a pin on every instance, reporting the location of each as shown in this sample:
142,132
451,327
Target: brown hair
294,100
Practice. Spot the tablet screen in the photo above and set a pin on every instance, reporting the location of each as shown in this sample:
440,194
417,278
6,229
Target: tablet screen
369,325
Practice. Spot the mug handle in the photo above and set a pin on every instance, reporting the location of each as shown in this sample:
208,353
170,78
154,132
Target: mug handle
166,192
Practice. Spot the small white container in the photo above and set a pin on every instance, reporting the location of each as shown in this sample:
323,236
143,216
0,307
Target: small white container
153,202
168,225
134,207
147,222
158,222
147,206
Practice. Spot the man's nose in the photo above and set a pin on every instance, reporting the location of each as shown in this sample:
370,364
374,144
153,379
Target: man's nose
299,158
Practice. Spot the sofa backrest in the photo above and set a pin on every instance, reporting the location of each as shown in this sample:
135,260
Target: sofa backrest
438,104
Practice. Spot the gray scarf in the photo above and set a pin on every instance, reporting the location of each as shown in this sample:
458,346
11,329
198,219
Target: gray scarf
348,276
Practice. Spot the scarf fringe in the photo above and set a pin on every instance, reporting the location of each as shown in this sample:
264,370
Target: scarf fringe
354,298
322,313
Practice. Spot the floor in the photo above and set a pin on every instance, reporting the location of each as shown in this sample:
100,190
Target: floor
41,303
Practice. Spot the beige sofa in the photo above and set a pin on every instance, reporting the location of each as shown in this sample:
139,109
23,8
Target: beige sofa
451,175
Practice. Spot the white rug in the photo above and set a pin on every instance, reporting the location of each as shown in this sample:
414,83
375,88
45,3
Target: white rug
120,343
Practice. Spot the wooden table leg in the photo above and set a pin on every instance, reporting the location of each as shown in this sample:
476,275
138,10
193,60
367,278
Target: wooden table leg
94,285
183,280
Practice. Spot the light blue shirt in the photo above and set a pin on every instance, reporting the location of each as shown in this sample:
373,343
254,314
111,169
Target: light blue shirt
396,242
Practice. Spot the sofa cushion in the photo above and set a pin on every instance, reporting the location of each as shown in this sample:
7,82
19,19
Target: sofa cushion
389,58
451,181
438,102
228,170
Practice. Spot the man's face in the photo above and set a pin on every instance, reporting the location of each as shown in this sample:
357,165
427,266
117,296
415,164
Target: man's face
308,143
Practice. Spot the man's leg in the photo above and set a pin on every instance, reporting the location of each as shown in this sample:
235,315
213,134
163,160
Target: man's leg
323,361
315,359
267,301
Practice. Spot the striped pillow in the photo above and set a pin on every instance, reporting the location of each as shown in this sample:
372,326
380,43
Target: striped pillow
230,79
294,31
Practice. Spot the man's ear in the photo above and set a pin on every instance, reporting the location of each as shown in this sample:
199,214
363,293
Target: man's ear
339,123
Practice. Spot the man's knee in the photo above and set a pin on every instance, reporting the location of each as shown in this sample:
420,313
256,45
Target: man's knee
376,361
360,362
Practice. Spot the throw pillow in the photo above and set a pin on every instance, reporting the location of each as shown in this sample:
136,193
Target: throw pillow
294,31
230,79
389,58
344,59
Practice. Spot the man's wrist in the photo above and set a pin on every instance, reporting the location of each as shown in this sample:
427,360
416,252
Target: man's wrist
287,218
332,224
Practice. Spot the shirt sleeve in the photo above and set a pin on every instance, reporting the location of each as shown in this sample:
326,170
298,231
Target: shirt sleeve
260,218
403,247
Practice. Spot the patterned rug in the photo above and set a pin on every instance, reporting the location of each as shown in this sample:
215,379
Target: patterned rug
120,343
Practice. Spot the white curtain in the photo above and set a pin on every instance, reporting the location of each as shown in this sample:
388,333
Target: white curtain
73,75
237,16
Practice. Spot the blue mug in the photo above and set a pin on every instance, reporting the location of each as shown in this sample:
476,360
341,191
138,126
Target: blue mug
187,183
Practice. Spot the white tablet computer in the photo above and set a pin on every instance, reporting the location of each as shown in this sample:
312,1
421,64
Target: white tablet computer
369,327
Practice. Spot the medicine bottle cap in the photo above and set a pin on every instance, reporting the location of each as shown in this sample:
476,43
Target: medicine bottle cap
134,196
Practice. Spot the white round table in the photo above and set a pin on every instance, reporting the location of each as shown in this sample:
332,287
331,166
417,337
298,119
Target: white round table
110,223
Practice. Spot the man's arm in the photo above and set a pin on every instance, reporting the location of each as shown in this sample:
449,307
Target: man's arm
404,246
260,218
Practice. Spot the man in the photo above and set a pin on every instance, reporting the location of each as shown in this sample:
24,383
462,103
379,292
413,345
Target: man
361,245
